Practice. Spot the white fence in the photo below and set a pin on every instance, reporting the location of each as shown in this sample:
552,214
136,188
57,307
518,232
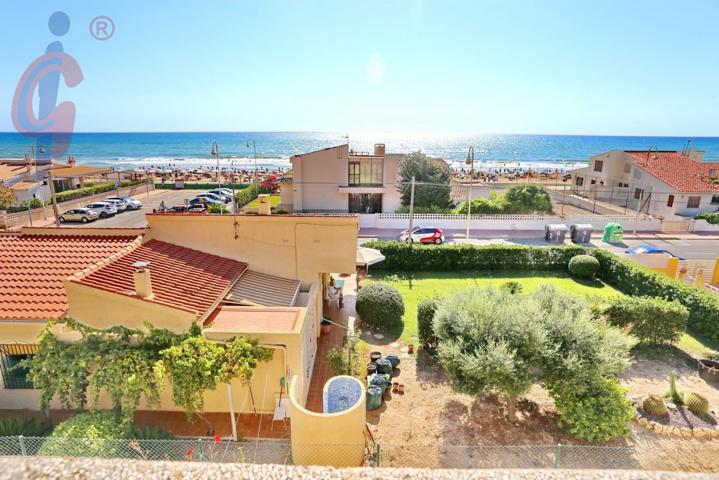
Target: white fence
502,222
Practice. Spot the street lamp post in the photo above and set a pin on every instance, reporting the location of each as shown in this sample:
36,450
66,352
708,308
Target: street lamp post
470,161
215,152
254,148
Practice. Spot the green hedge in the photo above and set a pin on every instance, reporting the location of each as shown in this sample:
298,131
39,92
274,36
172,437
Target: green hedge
652,320
200,186
710,217
250,193
83,192
626,276
400,256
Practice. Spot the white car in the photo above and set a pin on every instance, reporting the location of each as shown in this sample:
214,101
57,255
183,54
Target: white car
132,203
222,193
121,205
433,235
214,197
104,209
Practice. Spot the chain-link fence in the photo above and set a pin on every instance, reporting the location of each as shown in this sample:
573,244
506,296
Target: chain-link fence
665,456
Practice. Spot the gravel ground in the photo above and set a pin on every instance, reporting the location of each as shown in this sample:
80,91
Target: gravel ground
79,469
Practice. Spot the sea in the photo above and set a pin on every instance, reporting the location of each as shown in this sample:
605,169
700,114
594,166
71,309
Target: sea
271,150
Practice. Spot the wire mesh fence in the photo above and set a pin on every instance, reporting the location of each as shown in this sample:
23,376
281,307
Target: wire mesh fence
671,456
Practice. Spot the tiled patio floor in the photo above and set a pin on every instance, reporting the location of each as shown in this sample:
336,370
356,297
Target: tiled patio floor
342,316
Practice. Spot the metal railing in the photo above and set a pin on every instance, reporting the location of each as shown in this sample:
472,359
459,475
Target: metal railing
677,455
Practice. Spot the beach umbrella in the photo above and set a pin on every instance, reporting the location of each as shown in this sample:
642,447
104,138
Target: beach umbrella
368,256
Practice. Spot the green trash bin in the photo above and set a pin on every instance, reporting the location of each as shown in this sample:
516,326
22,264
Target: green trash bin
374,397
613,233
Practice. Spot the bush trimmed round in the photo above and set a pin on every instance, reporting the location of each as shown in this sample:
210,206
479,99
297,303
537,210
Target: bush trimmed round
379,305
584,266
89,434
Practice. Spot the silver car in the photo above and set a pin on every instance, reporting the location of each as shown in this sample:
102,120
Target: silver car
121,205
83,215
105,209
132,203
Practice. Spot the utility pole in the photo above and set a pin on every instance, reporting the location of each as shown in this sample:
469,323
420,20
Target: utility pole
51,184
470,160
411,211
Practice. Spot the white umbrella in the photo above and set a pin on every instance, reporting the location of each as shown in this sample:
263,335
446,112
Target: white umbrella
368,256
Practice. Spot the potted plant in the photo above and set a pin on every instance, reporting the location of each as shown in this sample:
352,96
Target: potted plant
326,325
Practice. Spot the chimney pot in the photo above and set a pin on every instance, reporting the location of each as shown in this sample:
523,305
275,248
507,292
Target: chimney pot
143,280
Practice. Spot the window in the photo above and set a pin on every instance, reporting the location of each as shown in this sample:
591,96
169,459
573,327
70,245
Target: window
366,171
715,199
693,202
13,376
670,201
598,165
627,167
593,182
638,193
580,181
365,203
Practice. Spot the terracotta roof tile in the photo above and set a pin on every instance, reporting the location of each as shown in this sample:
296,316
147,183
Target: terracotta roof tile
181,277
678,171
34,267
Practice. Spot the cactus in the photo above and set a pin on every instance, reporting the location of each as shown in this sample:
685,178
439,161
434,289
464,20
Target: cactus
654,405
697,404
676,396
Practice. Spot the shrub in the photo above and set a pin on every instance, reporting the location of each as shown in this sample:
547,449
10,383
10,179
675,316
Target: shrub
245,196
529,199
651,320
217,208
94,433
495,204
511,286
379,305
426,309
199,186
709,217
84,192
346,359
596,411
150,433
431,209
26,426
583,266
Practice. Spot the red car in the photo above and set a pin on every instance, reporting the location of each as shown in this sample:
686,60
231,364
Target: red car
423,235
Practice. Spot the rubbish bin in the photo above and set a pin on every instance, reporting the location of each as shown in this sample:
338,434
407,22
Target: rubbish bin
393,359
581,232
384,366
613,233
555,233
374,397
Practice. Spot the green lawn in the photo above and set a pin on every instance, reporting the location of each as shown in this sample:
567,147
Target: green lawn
422,285
274,201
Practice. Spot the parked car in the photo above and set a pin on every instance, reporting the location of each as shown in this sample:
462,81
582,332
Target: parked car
646,248
423,235
198,208
217,198
121,205
205,201
222,193
83,215
132,203
105,209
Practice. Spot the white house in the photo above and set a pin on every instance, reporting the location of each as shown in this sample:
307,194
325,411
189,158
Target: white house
664,184
338,179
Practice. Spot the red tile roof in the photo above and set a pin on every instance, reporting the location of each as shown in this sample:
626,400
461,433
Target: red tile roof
181,277
678,171
34,267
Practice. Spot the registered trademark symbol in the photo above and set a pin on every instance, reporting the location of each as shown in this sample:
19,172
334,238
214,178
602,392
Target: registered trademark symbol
102,27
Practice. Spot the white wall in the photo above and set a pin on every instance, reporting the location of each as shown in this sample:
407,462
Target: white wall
316,176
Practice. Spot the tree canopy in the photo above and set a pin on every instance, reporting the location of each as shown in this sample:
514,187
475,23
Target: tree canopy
432,181
491,342
6,198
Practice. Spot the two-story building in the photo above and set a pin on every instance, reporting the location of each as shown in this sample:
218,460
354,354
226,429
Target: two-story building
664,184
338,179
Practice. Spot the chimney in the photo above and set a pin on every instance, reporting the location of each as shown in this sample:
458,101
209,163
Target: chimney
379,149
263,204
143,282
71,161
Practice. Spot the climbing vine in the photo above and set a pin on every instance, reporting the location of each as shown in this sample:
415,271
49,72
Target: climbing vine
129,364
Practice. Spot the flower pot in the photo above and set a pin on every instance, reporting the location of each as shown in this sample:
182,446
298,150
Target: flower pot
374,356
410,348
400,389
325,327
371,368
395,386
709,370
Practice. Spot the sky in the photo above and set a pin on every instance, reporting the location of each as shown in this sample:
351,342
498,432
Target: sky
602,67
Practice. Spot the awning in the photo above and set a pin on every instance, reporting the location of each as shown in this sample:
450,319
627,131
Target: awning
254,288
368,256
79,171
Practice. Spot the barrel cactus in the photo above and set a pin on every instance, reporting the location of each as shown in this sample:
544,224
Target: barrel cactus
697,403
654,405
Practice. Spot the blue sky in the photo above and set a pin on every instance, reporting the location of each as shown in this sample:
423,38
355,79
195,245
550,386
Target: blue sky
507,66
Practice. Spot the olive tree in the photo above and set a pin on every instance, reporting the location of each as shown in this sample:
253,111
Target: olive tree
432,181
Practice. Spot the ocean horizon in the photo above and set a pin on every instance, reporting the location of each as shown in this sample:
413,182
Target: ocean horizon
192,149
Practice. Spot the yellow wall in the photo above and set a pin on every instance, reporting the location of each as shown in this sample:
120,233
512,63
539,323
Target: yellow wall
101,309
297,247
671,269
335,439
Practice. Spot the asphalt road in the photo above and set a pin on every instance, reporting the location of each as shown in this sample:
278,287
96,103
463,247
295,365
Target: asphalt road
136,218
694,249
